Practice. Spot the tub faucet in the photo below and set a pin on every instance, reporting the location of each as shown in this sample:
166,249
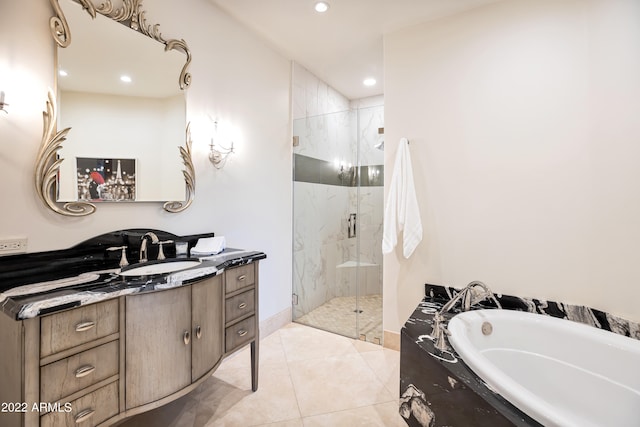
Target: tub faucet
143,246
469,296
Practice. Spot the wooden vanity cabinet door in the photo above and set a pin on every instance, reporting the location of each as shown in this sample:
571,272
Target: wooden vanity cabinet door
158,345
207,322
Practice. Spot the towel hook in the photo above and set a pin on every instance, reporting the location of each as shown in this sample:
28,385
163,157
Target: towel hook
2,103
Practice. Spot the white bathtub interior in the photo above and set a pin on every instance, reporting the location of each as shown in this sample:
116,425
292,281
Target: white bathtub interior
559,372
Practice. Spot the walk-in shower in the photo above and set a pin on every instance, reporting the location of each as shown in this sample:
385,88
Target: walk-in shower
337,222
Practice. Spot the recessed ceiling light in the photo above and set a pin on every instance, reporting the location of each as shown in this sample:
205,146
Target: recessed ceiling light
125,79
369,81
63,73
321,6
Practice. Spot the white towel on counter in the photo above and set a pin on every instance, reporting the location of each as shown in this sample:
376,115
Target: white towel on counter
402,214
209,246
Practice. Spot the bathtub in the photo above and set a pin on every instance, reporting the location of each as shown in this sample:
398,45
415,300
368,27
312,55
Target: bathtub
559,372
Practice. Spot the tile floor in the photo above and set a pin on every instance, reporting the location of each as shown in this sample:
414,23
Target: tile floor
338,315
308,378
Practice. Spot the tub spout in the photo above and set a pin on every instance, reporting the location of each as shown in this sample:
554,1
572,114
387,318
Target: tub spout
475,295
471,295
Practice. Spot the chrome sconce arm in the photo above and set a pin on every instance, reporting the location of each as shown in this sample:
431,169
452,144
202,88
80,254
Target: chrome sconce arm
218,156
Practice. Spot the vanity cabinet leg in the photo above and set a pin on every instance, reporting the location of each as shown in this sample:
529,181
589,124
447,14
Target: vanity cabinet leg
254,364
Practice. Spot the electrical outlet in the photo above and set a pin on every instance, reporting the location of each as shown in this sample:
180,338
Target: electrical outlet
13,246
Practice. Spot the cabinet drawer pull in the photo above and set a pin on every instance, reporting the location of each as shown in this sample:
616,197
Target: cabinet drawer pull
85,326
84,415
242,305
241,278
85,370
186,337
198,332
242,332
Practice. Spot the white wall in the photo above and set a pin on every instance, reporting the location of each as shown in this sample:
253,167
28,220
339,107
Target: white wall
523,121
237,79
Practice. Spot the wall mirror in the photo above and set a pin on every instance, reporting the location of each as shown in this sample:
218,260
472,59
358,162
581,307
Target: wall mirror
120,102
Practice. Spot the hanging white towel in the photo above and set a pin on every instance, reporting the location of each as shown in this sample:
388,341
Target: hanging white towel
402,212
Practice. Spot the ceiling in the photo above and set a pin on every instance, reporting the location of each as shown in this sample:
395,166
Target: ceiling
344,45
95,61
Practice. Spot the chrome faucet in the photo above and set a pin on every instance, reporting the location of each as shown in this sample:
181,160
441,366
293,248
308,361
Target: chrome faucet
143,246
469,296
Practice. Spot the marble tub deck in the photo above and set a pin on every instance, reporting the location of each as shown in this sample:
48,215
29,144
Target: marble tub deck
439,389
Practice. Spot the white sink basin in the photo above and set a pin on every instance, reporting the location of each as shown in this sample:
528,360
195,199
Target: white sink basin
159,267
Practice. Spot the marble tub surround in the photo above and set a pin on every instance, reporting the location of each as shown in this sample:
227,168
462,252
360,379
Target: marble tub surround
438,388
45,282
576,313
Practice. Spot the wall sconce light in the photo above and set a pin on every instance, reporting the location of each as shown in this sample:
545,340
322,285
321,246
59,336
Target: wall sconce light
346,173
218,156
2,103
374,173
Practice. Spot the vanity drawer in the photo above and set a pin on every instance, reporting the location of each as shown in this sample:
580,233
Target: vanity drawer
89,410
61,331
240,333
239,277
239,305
66,376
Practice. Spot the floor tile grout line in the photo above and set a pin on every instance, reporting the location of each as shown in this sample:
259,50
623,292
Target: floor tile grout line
295,392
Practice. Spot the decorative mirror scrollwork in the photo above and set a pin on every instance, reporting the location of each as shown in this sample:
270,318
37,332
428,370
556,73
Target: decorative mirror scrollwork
49,160
48,164
189,177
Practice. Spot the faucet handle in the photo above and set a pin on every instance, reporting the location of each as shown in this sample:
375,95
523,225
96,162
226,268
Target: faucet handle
161,255
123,258
439,332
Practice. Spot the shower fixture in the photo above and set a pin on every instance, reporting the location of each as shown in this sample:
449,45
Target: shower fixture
351,226
380,145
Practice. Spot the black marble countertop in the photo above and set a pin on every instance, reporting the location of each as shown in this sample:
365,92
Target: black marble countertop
418,329
36,284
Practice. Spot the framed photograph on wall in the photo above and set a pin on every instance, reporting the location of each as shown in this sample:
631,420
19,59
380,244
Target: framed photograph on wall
106,180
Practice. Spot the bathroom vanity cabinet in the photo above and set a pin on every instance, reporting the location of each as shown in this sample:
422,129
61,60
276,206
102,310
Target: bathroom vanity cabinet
173,338
100,363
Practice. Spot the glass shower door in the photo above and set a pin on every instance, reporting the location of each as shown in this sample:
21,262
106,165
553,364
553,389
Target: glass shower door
337,224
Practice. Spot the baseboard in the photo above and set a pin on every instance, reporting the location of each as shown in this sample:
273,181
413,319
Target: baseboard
391,340
275,322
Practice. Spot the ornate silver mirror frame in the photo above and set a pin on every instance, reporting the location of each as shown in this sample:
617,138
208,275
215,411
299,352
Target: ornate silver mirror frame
48,161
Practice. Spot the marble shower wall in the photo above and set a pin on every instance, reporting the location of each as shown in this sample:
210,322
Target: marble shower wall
328,128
